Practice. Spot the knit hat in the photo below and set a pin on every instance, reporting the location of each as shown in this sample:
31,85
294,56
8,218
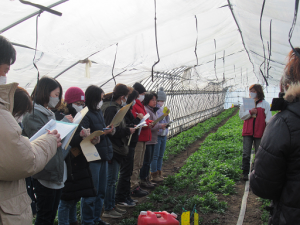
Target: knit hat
161,95
139,88
74,94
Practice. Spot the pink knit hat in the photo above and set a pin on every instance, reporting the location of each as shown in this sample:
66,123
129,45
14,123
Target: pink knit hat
74,94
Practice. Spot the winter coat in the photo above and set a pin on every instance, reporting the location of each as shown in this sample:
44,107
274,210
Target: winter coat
276,173
145,134
79,181
119,139
95,121
262,118
130,122
18,159
154,130
54,170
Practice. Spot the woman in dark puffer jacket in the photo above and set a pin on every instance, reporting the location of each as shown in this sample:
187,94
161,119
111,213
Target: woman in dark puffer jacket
276,174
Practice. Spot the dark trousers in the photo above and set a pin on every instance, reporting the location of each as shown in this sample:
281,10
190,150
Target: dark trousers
29,185
47,201
123,188
144,173
247,146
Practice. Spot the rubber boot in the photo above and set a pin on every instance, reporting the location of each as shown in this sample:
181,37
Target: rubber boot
156,177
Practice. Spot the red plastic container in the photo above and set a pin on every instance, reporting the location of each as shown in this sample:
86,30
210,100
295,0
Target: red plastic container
155,218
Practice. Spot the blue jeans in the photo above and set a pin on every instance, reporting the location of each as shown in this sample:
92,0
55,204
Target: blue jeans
158,154
91,207
67,212
112,177
144,173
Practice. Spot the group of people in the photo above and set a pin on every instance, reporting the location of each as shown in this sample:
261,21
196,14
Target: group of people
276,171
58,178
41,178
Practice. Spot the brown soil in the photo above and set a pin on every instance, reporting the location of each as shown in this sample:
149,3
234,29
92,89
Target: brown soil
230,217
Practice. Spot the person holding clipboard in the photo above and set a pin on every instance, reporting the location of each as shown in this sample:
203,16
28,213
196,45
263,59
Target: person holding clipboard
255,121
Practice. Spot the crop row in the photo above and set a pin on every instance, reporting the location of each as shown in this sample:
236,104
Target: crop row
179,143
212,170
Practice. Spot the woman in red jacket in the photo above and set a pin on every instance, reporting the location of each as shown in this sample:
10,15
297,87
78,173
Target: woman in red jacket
254,124
145,135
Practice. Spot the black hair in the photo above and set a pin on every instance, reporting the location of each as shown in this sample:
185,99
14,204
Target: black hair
7,52
41,92
149,96
93,97
132,96
119,90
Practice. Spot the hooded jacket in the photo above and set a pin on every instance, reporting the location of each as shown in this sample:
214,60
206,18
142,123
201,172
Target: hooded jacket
118,139
18,159
276,173
33,122
145,134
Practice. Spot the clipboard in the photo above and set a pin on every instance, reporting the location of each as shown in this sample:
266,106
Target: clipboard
120,116
77,119
166,112
88,149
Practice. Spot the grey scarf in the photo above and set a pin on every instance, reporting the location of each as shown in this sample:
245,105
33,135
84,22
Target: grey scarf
45,111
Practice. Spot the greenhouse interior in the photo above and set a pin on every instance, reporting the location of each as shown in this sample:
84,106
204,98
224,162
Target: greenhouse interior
205,55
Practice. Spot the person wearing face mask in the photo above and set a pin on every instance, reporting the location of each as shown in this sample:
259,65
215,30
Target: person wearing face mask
112,103
144,136
150,103
19,158
123,198
49,182
159,148
79,181
255,121
91,207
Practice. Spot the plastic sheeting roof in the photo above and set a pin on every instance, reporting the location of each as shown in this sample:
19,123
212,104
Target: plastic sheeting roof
108,30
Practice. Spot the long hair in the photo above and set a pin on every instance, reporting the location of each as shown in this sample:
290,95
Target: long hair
119,90
259,90
292,69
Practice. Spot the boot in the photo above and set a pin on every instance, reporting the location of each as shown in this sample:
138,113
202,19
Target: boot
146,184
156,177
149,181
160,174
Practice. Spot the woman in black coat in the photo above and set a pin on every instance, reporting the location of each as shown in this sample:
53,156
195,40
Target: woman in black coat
276,174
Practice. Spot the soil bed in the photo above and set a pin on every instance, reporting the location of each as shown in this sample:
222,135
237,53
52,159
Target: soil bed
173,165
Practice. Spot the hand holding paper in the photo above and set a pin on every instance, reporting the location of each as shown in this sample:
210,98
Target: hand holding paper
57,135
89,150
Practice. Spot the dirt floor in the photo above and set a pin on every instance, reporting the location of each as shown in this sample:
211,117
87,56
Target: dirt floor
230,217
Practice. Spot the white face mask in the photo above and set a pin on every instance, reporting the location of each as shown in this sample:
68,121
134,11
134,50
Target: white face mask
160,104
19,119
141,98
100,104
78,108
3,80
253,95
53,102
123,103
